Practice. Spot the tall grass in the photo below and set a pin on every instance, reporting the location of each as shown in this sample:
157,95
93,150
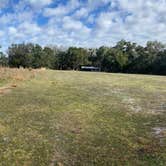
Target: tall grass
13,75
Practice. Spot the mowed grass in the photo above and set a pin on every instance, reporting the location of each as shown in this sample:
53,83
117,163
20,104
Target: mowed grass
70,118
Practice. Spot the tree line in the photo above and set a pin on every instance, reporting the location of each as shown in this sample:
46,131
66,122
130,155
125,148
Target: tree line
124,57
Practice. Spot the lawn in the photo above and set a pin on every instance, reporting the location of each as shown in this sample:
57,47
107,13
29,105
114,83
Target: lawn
69,118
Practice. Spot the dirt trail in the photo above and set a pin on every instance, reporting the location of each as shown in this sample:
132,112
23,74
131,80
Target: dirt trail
7,89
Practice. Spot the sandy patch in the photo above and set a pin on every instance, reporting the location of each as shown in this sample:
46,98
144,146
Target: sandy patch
160,133
5,90
131,103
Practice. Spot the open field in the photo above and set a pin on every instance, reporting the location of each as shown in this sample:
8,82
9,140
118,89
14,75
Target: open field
83,119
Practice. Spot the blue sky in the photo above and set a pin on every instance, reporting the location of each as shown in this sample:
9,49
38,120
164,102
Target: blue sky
86,23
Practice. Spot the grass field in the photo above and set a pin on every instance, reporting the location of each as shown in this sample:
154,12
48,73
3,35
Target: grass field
67,118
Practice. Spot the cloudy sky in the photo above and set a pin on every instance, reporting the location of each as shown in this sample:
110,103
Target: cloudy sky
88,23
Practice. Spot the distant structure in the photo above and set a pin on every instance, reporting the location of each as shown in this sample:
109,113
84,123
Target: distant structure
90,68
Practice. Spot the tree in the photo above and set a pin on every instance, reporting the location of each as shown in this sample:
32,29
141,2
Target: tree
159,65
76,57
123,54
125,57
62,60
100,57
3,59
48,58
18,55
37,53
108,61
152,50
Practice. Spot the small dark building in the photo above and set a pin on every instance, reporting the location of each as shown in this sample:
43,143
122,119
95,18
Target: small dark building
90,68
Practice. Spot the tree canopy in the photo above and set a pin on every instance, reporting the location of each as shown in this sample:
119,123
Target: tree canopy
125,57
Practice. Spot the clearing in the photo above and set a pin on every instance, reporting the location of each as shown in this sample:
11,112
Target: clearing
67,118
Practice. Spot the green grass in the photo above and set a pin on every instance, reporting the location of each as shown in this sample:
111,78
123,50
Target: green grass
84,119
2,82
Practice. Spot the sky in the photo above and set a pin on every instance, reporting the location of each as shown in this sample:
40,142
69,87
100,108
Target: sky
85,23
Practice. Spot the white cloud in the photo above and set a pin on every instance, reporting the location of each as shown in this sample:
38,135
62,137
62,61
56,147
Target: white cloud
29,28
83,12
71,24
60,10
91,23
40,3
97,3
75,28
145,21
12,31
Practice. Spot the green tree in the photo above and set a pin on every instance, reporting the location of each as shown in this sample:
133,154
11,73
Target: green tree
37,53
3,59
48,58
18,55
76,57
62,60
159,65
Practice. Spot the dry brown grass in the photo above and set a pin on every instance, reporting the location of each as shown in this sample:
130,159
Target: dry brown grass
11,77
17,74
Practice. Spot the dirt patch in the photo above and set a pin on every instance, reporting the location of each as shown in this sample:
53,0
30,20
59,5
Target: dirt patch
132,104
160,133
13,85
5,90
42,69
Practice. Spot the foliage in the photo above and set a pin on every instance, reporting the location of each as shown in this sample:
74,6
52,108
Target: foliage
3,60
124,57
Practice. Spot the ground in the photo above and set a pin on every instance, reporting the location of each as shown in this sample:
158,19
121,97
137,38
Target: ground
70,118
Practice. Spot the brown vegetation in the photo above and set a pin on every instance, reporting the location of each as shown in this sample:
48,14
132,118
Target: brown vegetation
11,77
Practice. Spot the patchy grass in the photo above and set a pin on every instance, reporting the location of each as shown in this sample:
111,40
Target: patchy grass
78,118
